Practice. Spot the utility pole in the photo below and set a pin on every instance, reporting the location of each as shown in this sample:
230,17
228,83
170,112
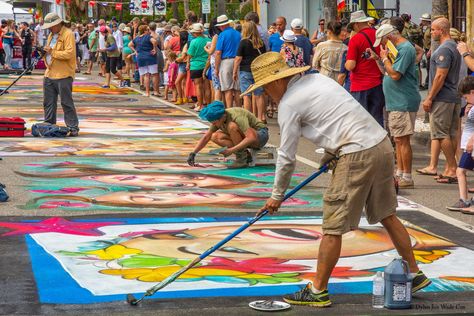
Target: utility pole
329,10
363,5
221,7
439,9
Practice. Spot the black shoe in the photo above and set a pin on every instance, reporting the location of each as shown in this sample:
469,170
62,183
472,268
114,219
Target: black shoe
419,282
307,297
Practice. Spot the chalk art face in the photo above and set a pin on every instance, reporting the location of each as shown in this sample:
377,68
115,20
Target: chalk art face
185,180
151,166
172,199
289,241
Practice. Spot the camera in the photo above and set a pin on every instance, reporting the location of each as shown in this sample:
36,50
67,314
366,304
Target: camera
40,50
366,55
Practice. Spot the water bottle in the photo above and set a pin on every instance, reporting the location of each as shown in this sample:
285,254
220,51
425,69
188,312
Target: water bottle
397,285
378,294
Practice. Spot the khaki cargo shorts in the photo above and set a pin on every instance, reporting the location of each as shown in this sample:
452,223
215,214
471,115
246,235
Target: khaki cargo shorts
444,120
361,180
401,123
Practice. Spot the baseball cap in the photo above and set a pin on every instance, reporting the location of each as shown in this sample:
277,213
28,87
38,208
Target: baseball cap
381,32
297,24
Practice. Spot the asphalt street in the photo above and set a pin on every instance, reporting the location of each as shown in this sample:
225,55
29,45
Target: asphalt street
25,291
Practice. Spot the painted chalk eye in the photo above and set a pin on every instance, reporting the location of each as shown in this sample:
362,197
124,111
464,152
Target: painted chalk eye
235,250
182,235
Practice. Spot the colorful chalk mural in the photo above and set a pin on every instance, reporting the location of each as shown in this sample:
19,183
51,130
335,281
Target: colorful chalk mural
116,111
96,90
94,146
135,126
77,99
99,184
99,260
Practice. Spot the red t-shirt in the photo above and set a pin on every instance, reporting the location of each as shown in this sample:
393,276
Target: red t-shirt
366,74
174,44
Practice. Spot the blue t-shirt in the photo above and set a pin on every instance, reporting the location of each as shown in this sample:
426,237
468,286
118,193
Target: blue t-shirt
402,95
8,41
143,46
347,82
305,44
275,43
228,42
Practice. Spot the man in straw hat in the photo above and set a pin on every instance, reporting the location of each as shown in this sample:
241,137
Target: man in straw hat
366,80
363,175
425,24
226,49
60,60
235,128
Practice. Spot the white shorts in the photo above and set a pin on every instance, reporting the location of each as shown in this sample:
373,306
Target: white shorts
150,69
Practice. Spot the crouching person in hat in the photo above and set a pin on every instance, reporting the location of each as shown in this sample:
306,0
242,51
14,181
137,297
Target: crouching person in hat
317,108
234,128
60,60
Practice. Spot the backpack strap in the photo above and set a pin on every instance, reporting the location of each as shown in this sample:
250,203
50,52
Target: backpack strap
368,40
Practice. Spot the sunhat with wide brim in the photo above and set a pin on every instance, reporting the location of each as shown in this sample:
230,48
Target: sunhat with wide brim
196,28
223,20
358,17
270,67
50,20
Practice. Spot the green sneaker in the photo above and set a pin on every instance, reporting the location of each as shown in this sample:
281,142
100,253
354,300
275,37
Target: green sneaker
307,297
419,282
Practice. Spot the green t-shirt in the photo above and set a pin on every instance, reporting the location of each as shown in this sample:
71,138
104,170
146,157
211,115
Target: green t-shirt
243,118
197,53
126,40
403,95
110,41
92,36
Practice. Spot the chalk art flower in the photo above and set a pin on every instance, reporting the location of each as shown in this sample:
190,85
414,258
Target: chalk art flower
113,252
199,274
428,256
146,261
260,265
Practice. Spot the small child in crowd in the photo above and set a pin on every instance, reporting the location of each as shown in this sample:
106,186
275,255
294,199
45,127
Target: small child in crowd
466,163
172,68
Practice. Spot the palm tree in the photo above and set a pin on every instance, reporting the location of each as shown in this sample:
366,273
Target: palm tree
221,7
186,7
329,10
439,9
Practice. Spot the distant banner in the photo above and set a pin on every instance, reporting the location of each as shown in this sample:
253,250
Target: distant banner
160,7
141,7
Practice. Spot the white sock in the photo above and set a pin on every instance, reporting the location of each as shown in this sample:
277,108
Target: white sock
407,176
315,290
399,173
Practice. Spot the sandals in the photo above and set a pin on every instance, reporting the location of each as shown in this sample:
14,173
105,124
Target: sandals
425,172
447,180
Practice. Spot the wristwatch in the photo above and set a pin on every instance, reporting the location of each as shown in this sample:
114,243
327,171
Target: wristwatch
466,54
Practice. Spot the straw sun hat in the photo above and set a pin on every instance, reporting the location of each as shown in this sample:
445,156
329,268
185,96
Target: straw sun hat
50,20
270,67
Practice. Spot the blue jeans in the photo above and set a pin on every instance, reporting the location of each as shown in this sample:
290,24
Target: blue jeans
373,100
262,135
8,54
246,79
